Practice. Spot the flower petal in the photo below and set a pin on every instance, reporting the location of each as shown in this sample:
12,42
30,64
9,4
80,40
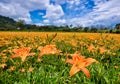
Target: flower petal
70,61
74,70
86,71
89,61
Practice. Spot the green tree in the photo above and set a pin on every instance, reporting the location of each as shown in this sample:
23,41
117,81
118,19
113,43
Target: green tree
20,24
117,26
86,29
94,30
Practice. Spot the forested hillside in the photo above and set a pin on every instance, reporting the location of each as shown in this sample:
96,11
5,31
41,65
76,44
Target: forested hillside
7,23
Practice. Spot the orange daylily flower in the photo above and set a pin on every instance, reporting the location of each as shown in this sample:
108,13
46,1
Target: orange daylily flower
3,65
22,70
31,69
91,48
116,67
102,50
22,53
80,64
12,68
48,49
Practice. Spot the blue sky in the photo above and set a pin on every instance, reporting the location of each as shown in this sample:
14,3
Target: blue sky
63,12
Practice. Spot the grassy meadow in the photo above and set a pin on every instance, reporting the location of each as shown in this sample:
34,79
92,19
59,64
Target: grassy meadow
59,58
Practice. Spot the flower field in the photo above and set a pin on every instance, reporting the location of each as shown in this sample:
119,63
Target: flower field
59,58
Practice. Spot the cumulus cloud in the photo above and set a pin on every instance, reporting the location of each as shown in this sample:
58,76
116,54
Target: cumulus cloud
19,9
15,11
54,12
46,21
105,13
85,12
73,3
39,24
60,21
59,1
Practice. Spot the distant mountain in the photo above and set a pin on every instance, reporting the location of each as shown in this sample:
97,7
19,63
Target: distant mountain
7,23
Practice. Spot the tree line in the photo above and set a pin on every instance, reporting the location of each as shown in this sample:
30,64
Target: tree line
8,24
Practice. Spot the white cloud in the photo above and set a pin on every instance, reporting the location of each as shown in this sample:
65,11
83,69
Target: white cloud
105,13
15,11
19,9
35,4
59,1
98,2
54,12
39,24
73,3
60,21
46,21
